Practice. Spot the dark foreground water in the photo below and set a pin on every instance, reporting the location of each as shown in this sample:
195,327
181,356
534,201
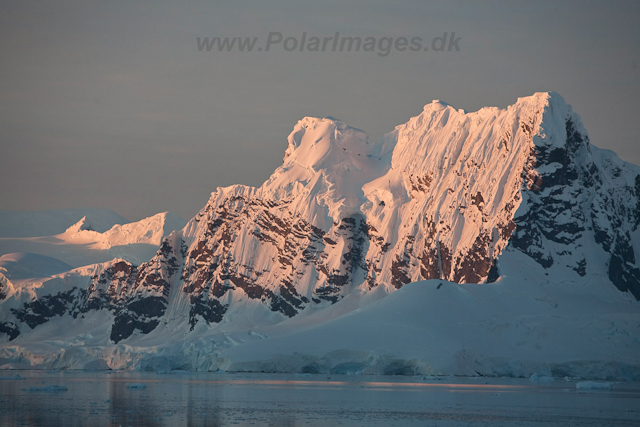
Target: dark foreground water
39,398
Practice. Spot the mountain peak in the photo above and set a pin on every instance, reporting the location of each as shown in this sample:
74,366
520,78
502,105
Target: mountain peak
313,138
436,105
82,225
548,97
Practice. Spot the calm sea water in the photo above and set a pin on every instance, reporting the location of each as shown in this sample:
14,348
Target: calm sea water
176,399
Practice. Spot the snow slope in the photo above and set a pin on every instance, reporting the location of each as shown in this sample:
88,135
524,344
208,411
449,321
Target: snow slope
538,228
508,328
25,265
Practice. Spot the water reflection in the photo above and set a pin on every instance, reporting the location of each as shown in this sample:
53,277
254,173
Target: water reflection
103,399
202,405
132,406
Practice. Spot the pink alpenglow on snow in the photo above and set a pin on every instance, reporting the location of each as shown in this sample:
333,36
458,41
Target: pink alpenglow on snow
495,242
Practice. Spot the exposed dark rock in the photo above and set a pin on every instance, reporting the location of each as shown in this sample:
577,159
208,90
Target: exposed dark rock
622,271
478,200
476,264
419,184
549,200
637,212
399,276
556,211
494,274
288,293
581,267
327,293
10,329
210,310
125,324
142,314
3,291
41,310
279,304
148,307
430,268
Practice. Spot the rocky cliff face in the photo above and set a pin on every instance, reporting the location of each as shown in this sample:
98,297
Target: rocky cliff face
443,196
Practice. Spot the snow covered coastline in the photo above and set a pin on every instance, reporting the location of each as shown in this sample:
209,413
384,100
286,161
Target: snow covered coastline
436,327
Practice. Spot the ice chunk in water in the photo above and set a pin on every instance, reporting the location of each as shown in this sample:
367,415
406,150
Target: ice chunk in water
594,385
49,389
137,385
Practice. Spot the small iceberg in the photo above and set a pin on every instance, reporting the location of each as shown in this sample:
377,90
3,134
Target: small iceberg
11,377
593,385
540,378
137,386
48,389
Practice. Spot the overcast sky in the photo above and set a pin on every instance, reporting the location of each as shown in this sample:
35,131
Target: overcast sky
110,104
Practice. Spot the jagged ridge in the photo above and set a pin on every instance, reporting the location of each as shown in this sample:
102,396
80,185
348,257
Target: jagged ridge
443,196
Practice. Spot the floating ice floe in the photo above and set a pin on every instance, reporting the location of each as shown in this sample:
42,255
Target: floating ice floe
11,377
48,389
137,386
594,385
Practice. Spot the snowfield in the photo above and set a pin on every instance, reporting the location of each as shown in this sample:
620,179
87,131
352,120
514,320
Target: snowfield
508,328
25,266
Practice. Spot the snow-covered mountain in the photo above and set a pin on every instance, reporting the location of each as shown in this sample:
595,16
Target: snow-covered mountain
52,222
84,240
466,198
149,230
